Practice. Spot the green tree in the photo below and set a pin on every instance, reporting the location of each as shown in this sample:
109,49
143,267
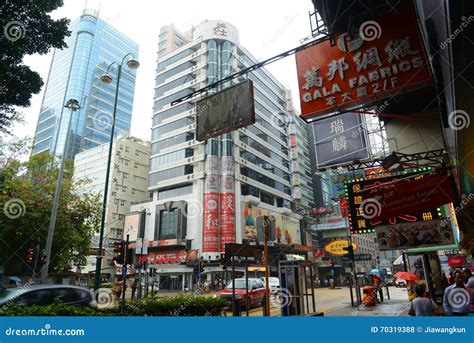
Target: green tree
26,28
26,197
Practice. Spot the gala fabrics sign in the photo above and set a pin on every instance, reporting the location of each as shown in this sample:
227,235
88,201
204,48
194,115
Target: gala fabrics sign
359,71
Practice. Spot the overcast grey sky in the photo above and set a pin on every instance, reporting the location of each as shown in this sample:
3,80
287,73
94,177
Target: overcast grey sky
267,28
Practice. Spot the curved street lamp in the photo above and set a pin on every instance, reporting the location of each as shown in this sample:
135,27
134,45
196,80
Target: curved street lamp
107,78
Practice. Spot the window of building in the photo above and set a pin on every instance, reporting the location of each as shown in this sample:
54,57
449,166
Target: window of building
127,149
121,147
168,224
122,202
175,192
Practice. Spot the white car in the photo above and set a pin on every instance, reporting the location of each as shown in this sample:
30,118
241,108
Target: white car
273,282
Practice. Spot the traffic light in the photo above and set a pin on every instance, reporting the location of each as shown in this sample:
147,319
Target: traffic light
30,255
331,263
350,251
119,250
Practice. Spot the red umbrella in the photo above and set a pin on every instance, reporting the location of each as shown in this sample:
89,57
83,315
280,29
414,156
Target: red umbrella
407,276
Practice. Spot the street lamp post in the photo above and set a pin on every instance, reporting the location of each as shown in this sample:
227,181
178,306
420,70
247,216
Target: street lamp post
73,105
107,78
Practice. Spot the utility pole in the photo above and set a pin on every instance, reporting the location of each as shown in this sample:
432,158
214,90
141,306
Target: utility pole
266,229
73,105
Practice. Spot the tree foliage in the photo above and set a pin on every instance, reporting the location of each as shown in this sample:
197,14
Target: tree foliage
26,198
26,28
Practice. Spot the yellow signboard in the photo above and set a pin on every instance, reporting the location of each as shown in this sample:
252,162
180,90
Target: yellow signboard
335,247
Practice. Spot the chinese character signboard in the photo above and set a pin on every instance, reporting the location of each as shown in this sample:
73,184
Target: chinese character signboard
339,140
337,181
336,247
395,199
357,71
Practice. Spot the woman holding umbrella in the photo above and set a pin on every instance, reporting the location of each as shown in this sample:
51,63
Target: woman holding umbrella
411,282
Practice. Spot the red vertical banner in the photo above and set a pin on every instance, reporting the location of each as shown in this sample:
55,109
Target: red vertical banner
227,202
210,237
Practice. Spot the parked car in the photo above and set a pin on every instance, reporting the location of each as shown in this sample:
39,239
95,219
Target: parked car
47,295
400,283
255,292
273,282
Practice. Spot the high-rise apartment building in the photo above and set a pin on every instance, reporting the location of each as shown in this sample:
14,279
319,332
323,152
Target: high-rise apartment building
74,74
128,185
207,194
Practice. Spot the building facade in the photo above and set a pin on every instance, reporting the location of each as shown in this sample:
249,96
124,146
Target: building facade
74,74
128,185
207,194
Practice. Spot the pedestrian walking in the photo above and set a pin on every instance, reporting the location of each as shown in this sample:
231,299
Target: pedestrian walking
377,281
134,288
467,275
422,305
456,298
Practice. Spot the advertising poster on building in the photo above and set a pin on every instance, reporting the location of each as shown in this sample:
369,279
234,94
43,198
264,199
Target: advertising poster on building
338,140
403,236
358,71
210,206
287,228
131,225
227,202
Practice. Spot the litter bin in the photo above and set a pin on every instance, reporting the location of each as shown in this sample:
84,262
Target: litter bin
369,296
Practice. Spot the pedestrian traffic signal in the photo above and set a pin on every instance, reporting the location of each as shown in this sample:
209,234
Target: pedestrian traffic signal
350,251
119,252
30,255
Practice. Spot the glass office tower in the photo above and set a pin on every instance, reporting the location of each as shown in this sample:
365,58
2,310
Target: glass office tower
74,73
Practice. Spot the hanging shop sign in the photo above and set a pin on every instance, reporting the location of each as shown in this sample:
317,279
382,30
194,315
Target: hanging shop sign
407,197
359,71
423,234
339,140
456,261
336,247
413,194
